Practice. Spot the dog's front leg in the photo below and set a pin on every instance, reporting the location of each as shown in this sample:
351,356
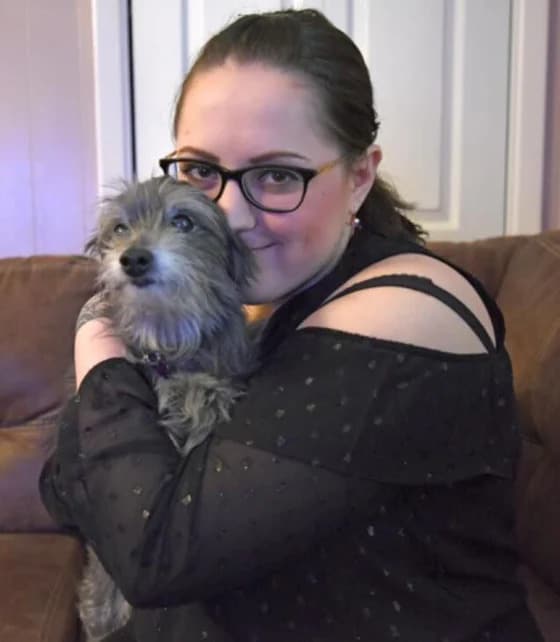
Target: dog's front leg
103,609
192,404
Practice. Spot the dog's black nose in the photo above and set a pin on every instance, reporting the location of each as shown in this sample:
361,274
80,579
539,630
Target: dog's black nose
136,261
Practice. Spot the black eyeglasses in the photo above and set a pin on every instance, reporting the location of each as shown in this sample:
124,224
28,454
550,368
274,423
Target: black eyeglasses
272,188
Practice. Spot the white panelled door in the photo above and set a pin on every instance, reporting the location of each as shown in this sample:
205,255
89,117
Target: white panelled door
166,38
440,73
441,76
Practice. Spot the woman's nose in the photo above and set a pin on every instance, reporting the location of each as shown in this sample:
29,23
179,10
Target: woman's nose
240,213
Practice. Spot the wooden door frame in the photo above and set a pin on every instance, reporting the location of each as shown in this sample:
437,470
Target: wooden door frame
527,116
113,106
552,135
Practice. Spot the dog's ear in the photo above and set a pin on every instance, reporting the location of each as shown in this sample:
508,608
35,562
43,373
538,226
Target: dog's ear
242,266
93,248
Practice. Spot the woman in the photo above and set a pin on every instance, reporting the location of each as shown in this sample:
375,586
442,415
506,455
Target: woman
363,489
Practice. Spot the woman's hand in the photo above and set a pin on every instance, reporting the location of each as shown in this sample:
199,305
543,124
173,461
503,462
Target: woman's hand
94,343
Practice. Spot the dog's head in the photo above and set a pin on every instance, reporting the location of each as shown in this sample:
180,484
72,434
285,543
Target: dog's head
168,256
163,215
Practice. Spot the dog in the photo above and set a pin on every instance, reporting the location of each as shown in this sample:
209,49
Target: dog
171,277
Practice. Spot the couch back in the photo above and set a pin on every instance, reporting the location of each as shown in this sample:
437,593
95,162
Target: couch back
41,297
523,275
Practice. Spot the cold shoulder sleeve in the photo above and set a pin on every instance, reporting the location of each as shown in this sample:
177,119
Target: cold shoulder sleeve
328,421
382,410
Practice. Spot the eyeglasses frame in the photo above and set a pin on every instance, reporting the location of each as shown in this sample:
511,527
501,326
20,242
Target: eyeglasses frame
237,175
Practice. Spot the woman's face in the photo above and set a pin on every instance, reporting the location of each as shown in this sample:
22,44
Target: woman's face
239,115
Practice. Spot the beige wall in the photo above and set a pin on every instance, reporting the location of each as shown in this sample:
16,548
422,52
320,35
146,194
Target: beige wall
47,127
552,153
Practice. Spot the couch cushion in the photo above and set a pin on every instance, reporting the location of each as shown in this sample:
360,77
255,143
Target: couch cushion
38,587
487,259
45,294
544,603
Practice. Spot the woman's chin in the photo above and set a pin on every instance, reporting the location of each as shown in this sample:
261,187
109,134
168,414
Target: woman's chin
264,291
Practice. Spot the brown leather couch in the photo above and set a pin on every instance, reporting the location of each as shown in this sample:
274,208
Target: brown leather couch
39,301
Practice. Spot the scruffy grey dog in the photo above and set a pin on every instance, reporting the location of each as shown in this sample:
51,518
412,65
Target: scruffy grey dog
171,275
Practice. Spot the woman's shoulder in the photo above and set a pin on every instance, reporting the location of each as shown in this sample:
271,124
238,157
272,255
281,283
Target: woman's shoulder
405,314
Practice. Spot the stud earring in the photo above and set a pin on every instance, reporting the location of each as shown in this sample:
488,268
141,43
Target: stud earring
353,220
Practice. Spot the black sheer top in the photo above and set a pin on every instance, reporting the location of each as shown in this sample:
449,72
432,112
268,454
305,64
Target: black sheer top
362,490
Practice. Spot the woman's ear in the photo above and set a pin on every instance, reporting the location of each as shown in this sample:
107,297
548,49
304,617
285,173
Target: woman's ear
362,175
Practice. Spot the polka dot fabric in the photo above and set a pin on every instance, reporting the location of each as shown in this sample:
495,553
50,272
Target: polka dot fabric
366,407
361,491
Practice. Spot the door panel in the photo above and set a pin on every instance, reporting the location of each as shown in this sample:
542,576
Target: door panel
440,74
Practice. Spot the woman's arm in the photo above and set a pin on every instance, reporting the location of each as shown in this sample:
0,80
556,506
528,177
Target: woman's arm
170,529
94,343
324,421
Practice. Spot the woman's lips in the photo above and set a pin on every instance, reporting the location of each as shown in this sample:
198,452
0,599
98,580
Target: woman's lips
258,248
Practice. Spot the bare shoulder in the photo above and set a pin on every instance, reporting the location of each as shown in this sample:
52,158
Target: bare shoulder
400,314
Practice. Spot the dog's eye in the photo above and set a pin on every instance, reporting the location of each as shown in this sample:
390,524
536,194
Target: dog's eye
182,221
120,228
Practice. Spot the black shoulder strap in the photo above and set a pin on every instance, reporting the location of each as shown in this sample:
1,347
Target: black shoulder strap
425,285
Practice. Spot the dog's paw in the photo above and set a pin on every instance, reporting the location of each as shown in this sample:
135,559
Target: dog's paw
194,404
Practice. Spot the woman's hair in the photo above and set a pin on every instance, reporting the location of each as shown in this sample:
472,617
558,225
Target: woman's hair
306,43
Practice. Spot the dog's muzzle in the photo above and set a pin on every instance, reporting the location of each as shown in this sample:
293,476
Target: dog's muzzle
136,261
137,264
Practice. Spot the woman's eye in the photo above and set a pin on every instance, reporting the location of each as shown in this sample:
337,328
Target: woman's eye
182,221
278,176
120,228
197,173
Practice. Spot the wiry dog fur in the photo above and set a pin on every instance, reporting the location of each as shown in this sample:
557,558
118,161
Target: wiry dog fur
171,275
